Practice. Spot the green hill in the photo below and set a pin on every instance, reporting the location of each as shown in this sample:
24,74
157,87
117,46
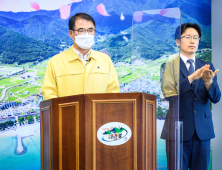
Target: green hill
15,47
145,42
151,40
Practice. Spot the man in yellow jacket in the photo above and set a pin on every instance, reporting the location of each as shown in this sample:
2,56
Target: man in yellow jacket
80,69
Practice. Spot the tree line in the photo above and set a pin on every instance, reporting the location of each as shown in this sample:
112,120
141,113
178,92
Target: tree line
21,120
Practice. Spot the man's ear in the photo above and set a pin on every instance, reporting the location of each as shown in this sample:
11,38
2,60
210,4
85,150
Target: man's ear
177,42
71,34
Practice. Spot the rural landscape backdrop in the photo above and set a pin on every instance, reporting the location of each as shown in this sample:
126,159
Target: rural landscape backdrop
138,35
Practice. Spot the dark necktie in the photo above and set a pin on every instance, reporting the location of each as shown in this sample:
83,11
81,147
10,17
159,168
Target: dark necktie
191,68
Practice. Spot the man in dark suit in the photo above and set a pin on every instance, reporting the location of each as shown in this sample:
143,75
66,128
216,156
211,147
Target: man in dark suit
194,83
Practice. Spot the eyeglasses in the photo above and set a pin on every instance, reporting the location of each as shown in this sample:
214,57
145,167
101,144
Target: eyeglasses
188,37
82,31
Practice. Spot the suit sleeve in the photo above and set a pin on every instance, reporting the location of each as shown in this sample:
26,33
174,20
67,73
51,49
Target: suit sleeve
113,84
185,86
214,92
49,86
169,83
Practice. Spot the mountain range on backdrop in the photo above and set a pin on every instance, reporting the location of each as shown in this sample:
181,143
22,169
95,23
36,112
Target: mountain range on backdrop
42,32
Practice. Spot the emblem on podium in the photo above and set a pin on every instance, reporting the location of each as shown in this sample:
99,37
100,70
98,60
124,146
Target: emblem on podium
114,133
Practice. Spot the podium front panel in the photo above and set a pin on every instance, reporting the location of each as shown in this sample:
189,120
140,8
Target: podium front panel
69,136
120,156
45,115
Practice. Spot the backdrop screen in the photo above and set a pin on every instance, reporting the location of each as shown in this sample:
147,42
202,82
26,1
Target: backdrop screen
138,35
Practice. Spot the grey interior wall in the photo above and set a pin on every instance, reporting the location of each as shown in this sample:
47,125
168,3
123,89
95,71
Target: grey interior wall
216,8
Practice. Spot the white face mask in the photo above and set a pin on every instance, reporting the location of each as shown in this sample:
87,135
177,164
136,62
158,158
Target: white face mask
84,41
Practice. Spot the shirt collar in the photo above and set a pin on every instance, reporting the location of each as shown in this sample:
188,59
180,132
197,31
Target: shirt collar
72,55
80,54
184,58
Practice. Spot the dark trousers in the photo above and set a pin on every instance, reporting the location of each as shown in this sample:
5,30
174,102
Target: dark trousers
195,154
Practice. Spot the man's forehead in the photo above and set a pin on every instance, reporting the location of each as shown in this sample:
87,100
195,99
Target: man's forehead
84,23
190,31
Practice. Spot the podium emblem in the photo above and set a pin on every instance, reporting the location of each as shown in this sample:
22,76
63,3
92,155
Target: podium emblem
114,133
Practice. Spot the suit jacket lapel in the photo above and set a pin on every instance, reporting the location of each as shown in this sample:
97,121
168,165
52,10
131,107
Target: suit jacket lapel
183,68
198,65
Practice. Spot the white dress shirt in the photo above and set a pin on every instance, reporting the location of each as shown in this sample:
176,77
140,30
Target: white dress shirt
84,58
186,63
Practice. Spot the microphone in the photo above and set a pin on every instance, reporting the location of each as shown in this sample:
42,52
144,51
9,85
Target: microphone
88,61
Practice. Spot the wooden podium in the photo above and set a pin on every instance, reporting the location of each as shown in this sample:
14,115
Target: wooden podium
69,127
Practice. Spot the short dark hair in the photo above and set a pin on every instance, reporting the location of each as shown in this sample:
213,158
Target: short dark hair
181,29
82,15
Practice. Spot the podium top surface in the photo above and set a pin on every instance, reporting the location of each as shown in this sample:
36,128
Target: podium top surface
97,96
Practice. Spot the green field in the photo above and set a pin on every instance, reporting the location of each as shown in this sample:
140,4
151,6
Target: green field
12,81
40,81
17,92
12,98
30,70
126,79
32,89
150,69
41,73
6,81
16,89
41,68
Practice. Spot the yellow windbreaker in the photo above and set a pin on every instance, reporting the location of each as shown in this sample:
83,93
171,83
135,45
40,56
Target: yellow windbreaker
66,75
